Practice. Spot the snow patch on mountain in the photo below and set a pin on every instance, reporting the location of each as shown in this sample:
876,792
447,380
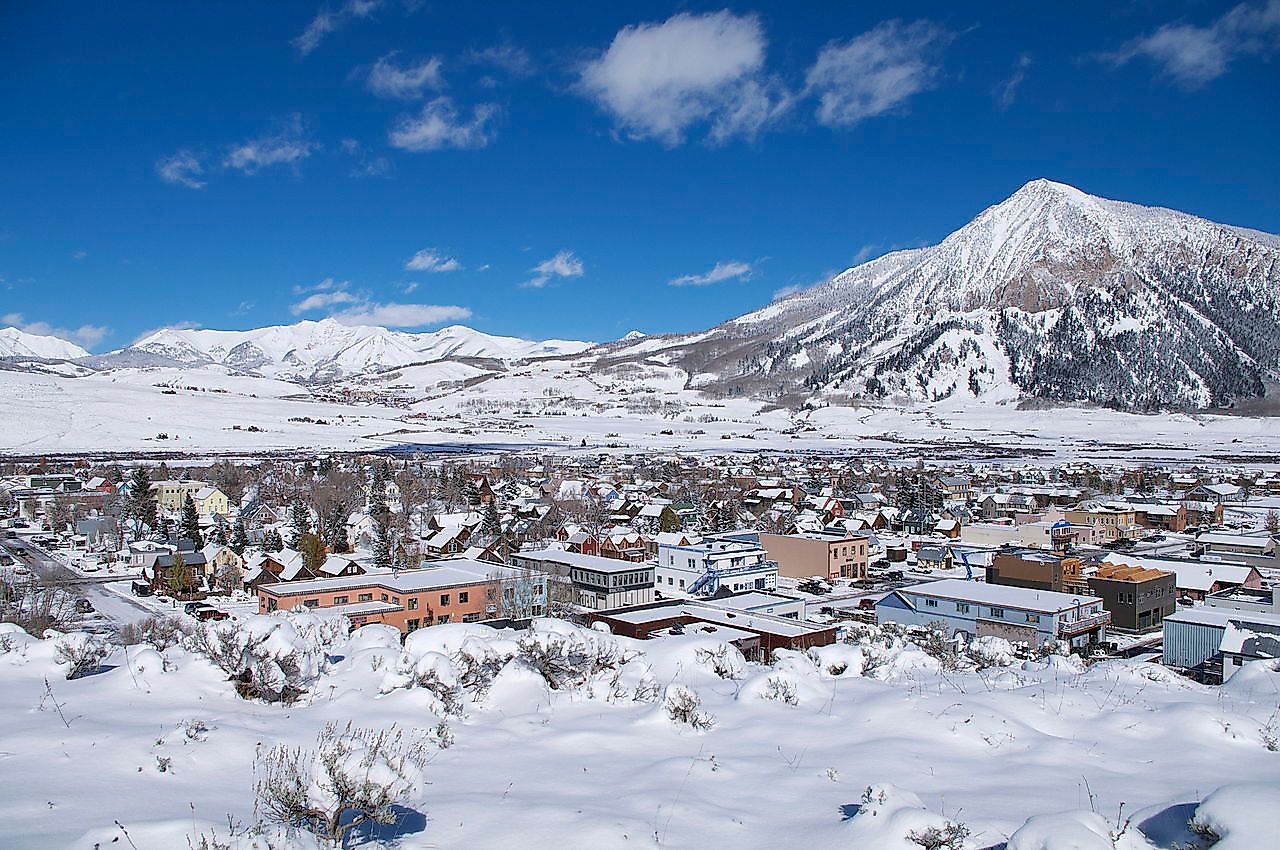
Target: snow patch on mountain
18,343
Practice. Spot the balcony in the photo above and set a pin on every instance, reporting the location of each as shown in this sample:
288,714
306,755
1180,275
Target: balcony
1084,624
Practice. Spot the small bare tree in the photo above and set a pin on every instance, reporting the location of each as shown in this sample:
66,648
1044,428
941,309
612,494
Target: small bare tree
353,777
82,653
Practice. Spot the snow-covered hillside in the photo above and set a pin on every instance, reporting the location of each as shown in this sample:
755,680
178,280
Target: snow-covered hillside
1052,293
17,343
323,350
566,737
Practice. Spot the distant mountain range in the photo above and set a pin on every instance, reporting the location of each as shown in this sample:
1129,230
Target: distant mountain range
1051,294
17,343
323,350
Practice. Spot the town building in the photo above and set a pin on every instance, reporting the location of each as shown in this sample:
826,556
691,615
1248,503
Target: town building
755,632
814,554
1212,641
449,591
701,569
597,582
1017,614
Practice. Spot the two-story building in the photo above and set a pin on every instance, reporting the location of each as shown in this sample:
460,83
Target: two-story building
450,591
813,554
1017,614
701,569
598,583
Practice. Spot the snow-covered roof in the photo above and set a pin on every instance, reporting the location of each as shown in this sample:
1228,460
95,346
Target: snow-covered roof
1023,598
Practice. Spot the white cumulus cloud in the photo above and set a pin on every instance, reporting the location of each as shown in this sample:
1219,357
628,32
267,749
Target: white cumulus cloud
431,260
1195,55
401,315
719,272
288,146
86,336
404,82
659,80
438,126
874,72
563,264
329,21
182,169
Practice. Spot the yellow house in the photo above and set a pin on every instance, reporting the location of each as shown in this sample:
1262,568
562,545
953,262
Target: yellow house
1114,521
170,496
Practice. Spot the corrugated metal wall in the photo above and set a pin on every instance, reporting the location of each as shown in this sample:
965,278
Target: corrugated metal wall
1189,644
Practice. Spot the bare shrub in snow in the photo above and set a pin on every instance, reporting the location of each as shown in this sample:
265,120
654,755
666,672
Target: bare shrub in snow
951,836
937,642
82,653
353,776
439,680
684,706
569,661
159,630
779,689
273,658
477,665
724,660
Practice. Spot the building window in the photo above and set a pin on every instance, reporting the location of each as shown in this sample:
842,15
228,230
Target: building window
998,613
1033,618
413,603
444,600
271,605
470,618
311,603
444,618
931,603
491,594
411,625
365,597
340,600
383,597
962,607
463,597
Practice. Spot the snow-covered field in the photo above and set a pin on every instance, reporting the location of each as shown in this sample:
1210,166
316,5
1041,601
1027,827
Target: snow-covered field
159,747
564,403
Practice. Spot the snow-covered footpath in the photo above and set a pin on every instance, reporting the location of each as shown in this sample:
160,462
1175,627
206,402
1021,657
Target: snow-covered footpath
564,737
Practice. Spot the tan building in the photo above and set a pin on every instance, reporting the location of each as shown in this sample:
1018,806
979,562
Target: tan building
1114,521
170,496
805,555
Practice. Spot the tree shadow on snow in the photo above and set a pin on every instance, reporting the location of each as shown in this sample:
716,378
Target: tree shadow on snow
408,821
849,810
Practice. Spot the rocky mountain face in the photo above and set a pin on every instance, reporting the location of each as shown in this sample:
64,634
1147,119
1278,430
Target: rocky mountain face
1052,293
323,350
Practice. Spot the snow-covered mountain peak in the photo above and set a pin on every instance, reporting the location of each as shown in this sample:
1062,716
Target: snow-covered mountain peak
19,343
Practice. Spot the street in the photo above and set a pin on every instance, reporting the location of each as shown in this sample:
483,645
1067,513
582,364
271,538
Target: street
112,609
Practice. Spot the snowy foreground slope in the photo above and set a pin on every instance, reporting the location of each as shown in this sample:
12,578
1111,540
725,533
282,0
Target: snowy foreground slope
850,746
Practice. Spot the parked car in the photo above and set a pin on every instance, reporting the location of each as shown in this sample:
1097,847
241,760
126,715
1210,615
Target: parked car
141,588
84,606
208,612
866,604
193,607
894,575
6,560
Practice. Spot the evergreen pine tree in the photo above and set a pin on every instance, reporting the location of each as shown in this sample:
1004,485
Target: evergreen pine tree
382,543
492,522
239,537
218,535
335,528
299,522
271,541
190,525
142,502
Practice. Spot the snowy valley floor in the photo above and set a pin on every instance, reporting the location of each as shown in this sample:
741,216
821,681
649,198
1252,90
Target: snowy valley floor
206,411
602,765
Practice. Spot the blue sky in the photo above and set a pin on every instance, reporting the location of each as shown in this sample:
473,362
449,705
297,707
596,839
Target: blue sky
578,170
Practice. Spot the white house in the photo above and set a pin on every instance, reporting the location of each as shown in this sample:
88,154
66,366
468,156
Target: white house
700,569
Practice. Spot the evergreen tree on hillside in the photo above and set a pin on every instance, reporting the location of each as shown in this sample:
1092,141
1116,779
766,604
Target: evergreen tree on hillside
190,524
271,541
492,522
142,502
239,537
335,528
299,522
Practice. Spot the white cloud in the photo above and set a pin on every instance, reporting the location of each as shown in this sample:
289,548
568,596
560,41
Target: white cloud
719,272
658,81
409,288
401,315
329,21
407,82
79,255
182,168
287,147
1196,55
438,126
431,260
507,57
874,72
358,309
1010,89
563,264
86,336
